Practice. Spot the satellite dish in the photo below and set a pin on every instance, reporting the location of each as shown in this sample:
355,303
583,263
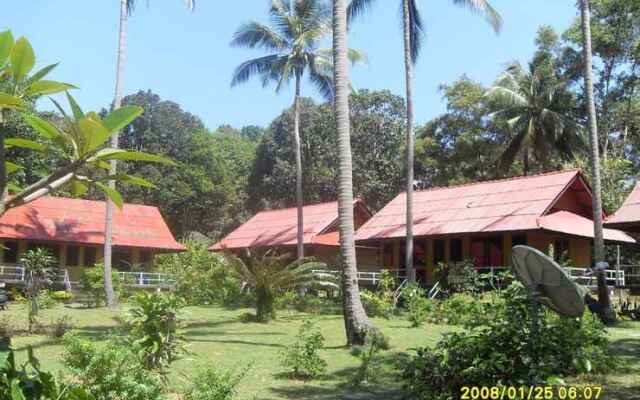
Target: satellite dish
549,283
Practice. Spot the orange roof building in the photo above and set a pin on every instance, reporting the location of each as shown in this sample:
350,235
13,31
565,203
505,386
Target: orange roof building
73,229
482,221
277,229
627,217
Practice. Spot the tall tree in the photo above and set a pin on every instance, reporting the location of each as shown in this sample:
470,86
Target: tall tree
293,40
357,324
537,108
412,39
126,8
606,311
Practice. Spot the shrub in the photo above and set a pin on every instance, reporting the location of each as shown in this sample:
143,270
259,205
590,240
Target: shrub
202,277
214,384
376,304
308,303
366,372
39,275
502,351
92,283
461,277
154,325
61,295
60,327
302,357
111,371
31,383
459,309
417,304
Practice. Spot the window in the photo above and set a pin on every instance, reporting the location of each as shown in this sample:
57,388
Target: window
387,255
456,250
519,240
560,249
487,252
90,256
73,256
10,252
121,259
438,252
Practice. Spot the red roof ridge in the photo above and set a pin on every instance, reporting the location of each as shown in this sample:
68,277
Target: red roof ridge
513,178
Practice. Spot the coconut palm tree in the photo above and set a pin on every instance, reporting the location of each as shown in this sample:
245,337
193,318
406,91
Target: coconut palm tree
293,40
537,109
126,8
356,322
606,312
271,274
412,38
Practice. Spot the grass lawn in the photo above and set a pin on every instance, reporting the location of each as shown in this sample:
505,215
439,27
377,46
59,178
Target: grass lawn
218,336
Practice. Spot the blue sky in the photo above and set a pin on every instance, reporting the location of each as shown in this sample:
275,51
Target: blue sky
185,57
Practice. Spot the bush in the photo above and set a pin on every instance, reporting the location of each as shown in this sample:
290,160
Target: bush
366,372
214,384
502,351
417,304
92,283
110,371
303,358
308,303
380,303
154,325
60,327
61,295
202,277
459,309
461,277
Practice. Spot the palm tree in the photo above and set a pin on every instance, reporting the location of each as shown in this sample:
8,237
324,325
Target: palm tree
606,312
271,274
537,109
412,37
357,324
126,8
293,45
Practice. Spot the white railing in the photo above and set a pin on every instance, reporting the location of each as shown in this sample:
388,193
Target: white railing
147,279
11,274
589,278
372,277
631,274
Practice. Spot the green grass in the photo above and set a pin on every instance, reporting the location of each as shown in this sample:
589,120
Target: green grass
218,336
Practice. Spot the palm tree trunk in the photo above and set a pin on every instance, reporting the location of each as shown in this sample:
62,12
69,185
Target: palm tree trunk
408,71
606,312
356,322
117,102
296,141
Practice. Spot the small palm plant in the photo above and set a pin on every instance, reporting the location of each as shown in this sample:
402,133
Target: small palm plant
270,274
40,274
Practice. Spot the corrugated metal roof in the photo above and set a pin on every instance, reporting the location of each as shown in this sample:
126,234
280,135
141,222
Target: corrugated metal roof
576,225
82,221
629,213
491,206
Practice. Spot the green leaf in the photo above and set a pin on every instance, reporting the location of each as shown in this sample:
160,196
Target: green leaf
94,134
25,144
79,188
75,107
44,128
113,194
13,188
555,380
22,58
11,167
42,72
131,180
6,44
39,88
120,118
125,155
8,101
16,391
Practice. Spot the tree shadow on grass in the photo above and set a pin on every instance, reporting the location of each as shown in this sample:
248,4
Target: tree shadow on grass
196,333
211,324
242,342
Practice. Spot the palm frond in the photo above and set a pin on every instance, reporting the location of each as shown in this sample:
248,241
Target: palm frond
513,148
485,8
506,97
264,66
416,30
357,8
254,34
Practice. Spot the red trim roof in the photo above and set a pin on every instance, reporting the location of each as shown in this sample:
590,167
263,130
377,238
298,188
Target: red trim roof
576,225
512,204
279,228
68,220
629,213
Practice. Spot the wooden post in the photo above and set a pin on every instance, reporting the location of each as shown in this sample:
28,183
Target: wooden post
507,244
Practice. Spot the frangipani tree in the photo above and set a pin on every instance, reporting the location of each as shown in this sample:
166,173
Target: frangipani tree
79,143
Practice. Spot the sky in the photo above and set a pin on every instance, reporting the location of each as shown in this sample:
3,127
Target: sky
185,57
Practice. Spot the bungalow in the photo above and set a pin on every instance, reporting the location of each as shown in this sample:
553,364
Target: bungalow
482,221
627,218
73,230
277,229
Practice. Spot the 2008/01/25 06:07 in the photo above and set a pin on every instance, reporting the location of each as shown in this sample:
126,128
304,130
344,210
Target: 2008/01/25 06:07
531,392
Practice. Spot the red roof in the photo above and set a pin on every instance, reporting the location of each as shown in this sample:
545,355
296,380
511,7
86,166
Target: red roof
279,228
62,219
576,225
629,213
